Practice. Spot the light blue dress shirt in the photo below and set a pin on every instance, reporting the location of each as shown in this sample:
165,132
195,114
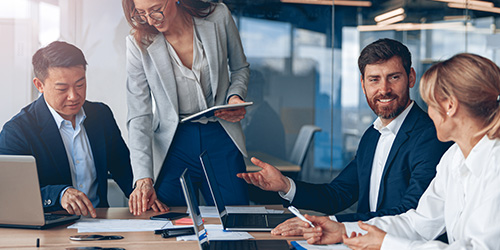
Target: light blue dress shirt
81,160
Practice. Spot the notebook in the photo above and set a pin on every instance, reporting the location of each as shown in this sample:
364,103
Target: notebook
20,197
239,221
200,231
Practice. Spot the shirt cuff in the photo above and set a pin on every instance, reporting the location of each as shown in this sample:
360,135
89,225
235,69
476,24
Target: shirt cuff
291,193
393,242
332,217
62,193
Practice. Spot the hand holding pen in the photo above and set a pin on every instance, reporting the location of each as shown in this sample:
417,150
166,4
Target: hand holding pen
296,212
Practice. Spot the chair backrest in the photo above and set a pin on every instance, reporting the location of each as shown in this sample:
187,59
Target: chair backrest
299,151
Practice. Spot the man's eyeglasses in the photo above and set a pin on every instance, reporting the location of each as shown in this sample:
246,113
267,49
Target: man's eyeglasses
155,15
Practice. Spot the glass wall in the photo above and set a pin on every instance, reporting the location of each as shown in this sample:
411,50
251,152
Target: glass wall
303,57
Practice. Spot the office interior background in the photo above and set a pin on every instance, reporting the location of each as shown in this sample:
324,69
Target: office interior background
302,54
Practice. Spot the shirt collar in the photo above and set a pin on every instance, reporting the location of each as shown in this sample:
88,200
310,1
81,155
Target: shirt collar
478,156
79,119
395,124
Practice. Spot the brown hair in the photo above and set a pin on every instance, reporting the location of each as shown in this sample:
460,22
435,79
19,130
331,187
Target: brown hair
144,33
56,54
473,80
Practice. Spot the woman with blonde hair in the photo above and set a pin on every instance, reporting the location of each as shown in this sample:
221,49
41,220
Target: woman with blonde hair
463,95
183,56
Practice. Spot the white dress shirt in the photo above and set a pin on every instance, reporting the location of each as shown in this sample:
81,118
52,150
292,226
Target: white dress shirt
79,152
388,134
193,85
463,199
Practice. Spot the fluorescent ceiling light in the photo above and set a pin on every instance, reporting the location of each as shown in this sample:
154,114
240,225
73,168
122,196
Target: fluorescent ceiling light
412,26
469,2
392,20
332,2
389,14
474,7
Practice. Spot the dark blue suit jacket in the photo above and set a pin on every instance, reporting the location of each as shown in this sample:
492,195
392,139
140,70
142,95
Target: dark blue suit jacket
33,131
410,167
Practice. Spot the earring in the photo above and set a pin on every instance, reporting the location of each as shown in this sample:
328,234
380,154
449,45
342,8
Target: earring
448,113
178,2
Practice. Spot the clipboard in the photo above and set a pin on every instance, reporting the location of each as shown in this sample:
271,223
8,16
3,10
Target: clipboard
210,111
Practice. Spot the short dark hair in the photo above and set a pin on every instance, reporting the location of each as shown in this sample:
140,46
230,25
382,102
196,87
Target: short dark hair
56,54
383,50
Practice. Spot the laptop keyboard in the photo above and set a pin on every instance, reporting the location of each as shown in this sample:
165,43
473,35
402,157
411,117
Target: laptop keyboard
232,245
52,217
248,220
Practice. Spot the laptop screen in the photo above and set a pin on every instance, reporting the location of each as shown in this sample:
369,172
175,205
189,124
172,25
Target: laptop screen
194,210
19,178
213,184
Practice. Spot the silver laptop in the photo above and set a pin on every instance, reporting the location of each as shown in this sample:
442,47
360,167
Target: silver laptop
200,231
239,221
20,198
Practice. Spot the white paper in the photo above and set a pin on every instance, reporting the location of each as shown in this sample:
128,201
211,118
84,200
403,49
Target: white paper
209,212
216,232
246,210
89,225
304,244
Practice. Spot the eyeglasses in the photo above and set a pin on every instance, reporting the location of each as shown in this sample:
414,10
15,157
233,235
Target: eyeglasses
156,15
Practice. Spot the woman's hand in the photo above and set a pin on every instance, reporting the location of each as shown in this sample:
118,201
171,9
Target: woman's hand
370,241
232,115
326,231
144,197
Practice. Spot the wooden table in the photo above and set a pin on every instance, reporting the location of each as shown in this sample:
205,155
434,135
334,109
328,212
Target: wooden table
282,165
58,237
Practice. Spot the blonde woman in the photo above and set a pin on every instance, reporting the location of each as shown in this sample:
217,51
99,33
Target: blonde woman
463,95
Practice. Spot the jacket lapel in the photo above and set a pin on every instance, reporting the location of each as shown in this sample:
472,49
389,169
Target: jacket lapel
161,60
365,168
207,32
52,139
97,143
400,139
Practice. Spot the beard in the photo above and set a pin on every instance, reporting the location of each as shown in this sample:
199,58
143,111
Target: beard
397,106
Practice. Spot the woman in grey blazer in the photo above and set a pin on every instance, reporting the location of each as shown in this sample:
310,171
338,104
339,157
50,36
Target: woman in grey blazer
183,56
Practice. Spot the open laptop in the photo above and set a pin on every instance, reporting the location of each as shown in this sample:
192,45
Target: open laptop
239,221
201,233
20,197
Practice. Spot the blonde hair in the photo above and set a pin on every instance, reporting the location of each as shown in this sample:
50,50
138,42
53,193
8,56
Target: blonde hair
473,80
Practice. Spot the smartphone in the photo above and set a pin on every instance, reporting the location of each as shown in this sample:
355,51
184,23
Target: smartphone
87,237
169,216
174,232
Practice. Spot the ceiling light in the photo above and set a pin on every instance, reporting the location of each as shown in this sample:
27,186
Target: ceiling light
389,14
330,2
469,2
474,7
392,20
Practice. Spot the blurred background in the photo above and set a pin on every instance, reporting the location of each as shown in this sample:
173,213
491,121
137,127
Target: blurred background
303,57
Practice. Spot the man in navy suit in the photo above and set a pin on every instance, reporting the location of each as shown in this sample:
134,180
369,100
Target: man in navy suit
75,142
396,157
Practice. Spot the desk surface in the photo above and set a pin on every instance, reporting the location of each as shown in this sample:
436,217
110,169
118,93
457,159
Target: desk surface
282,165
58,237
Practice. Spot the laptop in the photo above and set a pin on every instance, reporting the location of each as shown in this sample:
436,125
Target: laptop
201,233
20,197
239,221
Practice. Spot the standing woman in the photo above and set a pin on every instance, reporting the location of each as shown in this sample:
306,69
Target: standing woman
463,94
183,56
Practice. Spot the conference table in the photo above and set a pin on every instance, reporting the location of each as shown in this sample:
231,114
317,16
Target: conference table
58,237
281,164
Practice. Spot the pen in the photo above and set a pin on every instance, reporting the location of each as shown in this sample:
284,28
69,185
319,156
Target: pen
298,214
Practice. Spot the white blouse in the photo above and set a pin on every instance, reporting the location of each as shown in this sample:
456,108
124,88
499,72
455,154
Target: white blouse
463,199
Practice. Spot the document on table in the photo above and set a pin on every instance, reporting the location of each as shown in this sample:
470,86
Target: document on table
216,232
302,245
211,211
88,225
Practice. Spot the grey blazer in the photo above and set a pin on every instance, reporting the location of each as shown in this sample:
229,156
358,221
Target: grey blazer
152,93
